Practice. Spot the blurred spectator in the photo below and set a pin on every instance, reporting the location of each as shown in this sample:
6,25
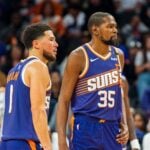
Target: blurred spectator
100,5
145,13
2,97
50,17
14,28
74,21
140,121
122,16
129,71
47,14
13,57
133,47
23,7
145,103
134,29
56,83
36,9
128,5
142,66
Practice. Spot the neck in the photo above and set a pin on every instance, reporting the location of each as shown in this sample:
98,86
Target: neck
99,47
37,54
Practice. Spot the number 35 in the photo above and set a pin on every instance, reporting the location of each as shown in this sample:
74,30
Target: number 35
106,99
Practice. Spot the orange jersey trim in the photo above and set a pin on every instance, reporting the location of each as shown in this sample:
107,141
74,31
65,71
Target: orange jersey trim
86,64
32,144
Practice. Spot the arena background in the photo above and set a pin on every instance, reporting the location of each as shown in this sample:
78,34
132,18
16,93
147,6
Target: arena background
68,18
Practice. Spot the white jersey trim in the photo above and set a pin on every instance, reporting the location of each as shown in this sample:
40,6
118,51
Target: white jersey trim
24,68
97,54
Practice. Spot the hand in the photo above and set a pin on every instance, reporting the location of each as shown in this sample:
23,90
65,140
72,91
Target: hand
123,136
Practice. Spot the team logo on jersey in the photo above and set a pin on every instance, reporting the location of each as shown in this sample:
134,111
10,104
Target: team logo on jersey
93,59
103,80
113,59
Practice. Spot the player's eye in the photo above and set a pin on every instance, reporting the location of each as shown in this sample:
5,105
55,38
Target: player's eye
52,39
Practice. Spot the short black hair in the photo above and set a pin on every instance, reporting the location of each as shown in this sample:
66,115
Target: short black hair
32,32
96,19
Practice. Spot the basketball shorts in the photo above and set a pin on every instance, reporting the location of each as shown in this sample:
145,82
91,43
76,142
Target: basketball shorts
19,145
94,134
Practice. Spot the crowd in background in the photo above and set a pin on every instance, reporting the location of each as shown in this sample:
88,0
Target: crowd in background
68,19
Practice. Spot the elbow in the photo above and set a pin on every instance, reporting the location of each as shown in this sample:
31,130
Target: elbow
37,111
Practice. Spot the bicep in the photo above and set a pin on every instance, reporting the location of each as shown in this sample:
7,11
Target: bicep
37,87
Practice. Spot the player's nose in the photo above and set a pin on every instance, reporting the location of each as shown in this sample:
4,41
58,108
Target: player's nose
115,30
56,44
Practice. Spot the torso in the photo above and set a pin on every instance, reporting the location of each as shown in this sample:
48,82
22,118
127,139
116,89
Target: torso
97,91
18,105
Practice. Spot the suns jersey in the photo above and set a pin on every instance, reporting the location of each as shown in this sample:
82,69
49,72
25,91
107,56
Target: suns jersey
98,93
18,122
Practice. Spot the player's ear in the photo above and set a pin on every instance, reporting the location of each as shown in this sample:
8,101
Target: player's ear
35,44
95,30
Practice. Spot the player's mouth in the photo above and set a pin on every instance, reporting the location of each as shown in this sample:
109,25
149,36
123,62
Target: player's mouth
55,51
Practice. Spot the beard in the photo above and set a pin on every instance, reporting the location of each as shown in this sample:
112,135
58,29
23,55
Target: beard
49,57
111,41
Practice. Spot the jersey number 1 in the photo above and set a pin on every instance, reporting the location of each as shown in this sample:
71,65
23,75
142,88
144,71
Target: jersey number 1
10,98
106,99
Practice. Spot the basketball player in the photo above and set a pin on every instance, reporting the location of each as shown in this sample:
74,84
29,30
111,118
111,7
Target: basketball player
91,83
28,93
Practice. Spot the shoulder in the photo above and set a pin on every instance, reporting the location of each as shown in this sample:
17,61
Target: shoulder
77,55
76,60
36,70
37,66
78,52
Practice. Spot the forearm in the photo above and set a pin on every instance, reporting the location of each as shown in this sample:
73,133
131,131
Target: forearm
62,117
124,117
131,127
130,121
41,127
